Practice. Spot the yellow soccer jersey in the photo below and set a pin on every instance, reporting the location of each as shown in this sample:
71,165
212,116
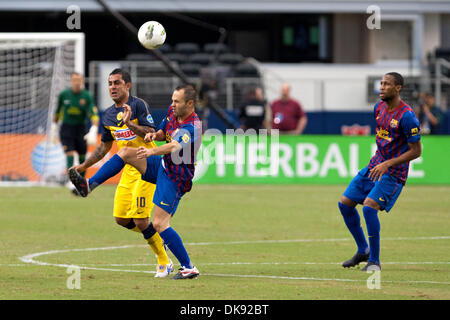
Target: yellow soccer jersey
115,129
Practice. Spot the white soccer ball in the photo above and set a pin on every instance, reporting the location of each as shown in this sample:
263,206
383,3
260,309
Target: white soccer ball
152,35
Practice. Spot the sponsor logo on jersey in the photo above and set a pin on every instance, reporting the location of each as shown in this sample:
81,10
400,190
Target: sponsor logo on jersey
168,138
124,134
383,134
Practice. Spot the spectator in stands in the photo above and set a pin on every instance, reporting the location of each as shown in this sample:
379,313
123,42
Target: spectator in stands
429,115
287,114
207,92
254,113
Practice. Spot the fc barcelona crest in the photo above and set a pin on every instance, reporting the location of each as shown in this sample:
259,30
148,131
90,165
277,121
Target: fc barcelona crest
394,123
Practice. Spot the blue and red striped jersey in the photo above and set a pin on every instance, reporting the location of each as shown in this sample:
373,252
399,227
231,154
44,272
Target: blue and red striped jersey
395,129
180,166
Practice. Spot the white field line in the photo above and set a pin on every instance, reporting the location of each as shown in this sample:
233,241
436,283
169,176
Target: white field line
231,263
31,259
309,240
255,263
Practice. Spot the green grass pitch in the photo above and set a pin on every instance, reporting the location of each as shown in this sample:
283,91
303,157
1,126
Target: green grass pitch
249,242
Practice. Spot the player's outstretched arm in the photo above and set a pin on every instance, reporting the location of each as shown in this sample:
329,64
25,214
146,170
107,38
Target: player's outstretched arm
173,146
98,154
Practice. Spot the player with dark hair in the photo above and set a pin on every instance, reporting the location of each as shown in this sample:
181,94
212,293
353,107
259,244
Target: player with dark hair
172,173
127,122
75,106
379,184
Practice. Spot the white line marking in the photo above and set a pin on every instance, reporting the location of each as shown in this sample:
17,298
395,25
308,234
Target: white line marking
320,279
309,240
31,259
254,263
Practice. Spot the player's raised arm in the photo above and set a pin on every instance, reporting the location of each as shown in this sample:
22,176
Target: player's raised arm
98,154
139,130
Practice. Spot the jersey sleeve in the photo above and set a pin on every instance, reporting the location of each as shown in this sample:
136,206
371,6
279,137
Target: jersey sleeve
143,114
58,112
187,135
375,107
163,124
301,112
106,133
92,109
410,126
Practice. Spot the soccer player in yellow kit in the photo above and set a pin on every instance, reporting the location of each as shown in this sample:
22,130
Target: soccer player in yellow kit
133,199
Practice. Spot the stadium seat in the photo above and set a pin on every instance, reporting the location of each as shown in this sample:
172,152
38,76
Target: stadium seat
187,48
165,48
443,53
231,58
177,57
140,57
201,58
215,47
191,69
245,69
156,69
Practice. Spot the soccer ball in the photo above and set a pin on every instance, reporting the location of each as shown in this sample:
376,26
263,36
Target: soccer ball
152,35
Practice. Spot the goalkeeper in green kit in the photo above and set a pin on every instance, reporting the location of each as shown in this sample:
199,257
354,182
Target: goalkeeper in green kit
75,106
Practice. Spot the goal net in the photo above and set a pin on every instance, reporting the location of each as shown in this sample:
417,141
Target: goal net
34,68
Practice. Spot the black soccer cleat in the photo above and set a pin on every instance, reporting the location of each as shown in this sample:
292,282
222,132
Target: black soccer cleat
79,182
372,266
75,192
355,260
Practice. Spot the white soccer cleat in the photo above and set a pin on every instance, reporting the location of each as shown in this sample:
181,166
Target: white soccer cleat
186,273
163,270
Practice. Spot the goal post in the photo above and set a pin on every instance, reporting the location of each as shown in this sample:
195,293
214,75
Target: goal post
34,69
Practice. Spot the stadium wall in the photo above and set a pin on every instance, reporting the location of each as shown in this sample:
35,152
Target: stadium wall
307,160
319,122
231,159
330,87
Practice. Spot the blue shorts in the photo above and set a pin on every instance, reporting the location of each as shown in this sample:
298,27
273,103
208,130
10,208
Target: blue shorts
385,191
167,196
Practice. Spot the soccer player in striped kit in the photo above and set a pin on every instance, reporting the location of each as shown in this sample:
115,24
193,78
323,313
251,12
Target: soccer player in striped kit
379,184
172,173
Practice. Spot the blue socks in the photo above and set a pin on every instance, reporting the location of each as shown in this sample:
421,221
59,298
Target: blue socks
108,170
175,244
373,230
353,223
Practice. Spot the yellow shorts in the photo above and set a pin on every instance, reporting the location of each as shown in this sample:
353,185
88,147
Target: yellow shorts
134,196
